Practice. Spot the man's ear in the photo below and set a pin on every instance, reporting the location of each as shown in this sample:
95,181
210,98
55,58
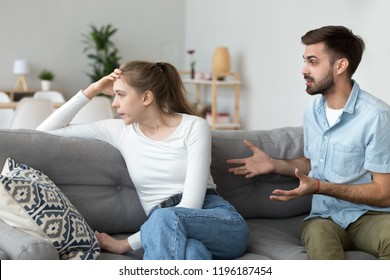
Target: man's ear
148,97
342,65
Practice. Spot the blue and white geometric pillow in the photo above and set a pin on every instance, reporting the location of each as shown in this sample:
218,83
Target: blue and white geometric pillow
30,201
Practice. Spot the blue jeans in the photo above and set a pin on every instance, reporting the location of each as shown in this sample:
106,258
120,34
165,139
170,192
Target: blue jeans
217,231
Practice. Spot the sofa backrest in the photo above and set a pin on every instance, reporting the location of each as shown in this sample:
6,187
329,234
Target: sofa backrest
91,173
251,196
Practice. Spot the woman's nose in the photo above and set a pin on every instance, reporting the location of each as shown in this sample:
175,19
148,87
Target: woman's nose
114,103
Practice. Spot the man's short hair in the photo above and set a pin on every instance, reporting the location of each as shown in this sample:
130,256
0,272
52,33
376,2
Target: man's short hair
340,42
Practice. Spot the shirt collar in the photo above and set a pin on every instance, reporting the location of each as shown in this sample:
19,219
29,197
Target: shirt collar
351,102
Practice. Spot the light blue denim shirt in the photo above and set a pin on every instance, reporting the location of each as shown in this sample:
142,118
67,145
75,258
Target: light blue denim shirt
347,152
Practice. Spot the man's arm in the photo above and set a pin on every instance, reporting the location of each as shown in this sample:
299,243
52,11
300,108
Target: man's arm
376,193
261,163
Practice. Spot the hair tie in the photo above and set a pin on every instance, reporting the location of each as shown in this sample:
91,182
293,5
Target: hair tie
160,65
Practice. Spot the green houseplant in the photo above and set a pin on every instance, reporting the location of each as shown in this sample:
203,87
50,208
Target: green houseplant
46,76
101,51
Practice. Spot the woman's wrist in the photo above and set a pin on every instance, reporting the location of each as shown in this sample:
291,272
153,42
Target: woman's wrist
126,246
90,92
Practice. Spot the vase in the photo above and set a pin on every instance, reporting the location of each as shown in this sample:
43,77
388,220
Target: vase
45,85
192,72
221,63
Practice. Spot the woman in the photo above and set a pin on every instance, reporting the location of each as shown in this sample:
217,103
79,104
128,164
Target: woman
167,149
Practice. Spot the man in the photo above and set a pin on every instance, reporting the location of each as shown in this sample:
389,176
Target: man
346,161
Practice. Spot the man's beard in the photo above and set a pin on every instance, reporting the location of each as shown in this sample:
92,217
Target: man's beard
321,87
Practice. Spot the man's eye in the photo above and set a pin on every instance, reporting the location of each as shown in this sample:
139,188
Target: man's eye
310,61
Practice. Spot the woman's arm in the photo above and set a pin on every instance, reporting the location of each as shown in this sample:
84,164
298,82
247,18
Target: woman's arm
64,115
105,130
198,165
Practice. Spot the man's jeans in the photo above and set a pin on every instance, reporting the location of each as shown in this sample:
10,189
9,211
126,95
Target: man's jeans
215,232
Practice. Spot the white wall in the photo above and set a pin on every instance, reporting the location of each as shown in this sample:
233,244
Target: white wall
264,42
263,38
48,33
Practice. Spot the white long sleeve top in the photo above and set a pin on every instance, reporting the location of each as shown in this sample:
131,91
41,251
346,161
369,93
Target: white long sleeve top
158,169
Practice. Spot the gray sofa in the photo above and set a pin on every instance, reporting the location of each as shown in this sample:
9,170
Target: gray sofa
93,176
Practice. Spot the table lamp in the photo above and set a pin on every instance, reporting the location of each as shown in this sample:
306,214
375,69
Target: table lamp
21,68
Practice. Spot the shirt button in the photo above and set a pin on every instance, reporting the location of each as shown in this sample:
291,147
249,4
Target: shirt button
322,160
325,137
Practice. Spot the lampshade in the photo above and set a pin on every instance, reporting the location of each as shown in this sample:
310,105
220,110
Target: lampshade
21,67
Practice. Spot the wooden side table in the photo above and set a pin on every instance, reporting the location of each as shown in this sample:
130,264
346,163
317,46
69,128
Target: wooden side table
16,95
14,104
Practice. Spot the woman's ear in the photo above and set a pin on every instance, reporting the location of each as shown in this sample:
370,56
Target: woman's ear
148,97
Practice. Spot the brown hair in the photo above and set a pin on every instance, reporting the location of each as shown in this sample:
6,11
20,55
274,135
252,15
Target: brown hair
163,80
340,42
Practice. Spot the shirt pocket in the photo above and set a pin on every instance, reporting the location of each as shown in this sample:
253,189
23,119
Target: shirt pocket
347,160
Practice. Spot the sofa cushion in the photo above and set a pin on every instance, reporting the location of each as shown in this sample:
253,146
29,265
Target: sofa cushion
278,239
3,255
19,245
87,171
251,196
31,202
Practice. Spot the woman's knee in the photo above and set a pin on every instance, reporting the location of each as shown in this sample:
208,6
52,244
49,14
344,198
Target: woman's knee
159,220
162,214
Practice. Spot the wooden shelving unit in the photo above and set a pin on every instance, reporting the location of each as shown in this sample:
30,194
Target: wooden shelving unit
233,81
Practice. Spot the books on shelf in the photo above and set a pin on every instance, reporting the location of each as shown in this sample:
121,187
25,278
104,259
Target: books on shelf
221,118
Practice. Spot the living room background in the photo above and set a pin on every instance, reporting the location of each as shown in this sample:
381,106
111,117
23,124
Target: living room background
263,38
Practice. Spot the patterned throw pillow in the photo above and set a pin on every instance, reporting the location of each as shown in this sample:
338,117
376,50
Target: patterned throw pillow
31,202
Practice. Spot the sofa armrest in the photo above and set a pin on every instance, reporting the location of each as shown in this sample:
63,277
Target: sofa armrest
18,245
3,255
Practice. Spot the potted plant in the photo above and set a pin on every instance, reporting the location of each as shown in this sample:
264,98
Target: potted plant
46,77
101,51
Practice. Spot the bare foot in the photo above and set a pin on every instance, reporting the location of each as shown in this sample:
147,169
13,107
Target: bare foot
112,245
